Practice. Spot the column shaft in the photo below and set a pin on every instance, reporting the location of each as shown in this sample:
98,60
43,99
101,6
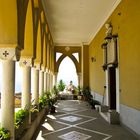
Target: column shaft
35,94
45,82
48,82
7,95
26,86
41,83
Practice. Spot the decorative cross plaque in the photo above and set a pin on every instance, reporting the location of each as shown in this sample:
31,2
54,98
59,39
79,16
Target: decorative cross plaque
25,62
5,53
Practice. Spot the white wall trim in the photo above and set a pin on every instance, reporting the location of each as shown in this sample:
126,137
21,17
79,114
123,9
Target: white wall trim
97,96
130,117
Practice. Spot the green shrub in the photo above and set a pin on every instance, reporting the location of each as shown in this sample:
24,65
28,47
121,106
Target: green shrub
43,102
4,134
20,116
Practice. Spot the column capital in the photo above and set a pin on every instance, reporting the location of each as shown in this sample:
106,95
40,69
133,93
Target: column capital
10,54
43,68
47,70
37,66
25,62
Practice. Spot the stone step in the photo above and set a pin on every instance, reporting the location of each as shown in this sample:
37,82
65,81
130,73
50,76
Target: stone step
112,116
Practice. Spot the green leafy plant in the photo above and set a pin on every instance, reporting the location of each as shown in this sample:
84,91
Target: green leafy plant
55,91
79,91
51,101
88,96
43,101
4,134
48,94
61,85
20,116
34,108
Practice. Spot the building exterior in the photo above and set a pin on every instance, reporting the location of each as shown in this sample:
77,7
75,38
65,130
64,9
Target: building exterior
108,63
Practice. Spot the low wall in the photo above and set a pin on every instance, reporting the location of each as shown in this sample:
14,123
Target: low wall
34,125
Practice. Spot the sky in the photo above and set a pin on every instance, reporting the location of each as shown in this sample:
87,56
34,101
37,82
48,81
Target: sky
67,72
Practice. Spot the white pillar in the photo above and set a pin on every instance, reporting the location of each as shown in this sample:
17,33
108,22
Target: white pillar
55,78
7,95
35,94
41,83
48,82
45,82
26,86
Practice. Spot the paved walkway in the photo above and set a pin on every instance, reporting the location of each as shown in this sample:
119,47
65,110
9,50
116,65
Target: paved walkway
75,120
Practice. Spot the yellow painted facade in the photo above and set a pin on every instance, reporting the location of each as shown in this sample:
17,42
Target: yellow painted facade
125,21
28,34
8,23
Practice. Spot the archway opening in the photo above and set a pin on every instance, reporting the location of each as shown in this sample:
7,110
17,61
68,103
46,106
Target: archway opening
67,72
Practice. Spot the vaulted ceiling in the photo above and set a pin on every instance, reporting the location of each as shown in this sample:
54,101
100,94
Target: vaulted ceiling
77,21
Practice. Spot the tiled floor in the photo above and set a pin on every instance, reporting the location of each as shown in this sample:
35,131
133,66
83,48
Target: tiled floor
75,120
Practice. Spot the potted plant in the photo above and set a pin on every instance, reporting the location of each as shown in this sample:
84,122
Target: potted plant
4,134
88,97
52,101
79,93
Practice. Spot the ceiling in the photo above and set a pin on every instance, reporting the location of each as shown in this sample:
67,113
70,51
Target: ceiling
74,22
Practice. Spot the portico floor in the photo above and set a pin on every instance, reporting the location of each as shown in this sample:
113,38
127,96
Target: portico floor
75,120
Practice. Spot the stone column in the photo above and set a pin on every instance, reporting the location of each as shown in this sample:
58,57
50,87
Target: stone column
45,81
55,78
35,94
41,83
26,83
7,56
48,81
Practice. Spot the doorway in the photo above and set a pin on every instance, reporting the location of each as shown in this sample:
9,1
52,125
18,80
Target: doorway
112,87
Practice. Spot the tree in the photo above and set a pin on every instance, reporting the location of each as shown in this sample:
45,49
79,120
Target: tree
61,85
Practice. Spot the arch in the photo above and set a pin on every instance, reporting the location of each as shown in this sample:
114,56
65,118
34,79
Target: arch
42,17
38,44
67,73
28,33
22,6
69,53
44,51
62,57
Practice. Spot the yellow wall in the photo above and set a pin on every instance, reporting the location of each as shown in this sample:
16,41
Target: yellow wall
8,22
28,34
85,67
127,25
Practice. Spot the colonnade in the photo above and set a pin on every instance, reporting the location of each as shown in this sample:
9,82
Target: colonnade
42,82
